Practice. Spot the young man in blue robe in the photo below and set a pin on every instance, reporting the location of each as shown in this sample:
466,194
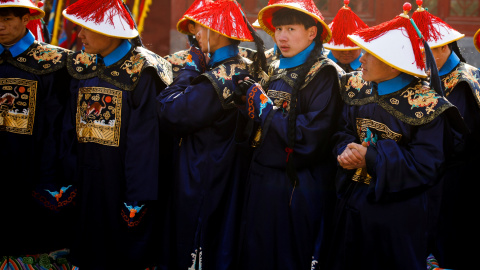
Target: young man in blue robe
33,93
210,168
290,195
121,148
461,86
392,149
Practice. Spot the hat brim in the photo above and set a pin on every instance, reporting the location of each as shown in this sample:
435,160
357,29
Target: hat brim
476,40
35,12
398,55
256,25
448,36
105,28
265,19
332,47
182,26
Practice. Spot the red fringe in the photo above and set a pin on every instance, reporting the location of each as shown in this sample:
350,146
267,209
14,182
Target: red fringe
369,34
96,11
225,16
345,23
34,26
425,22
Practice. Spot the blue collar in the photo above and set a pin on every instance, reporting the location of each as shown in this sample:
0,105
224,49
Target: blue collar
117,54
223,53
449,65
297,60
21,45
355,64
395,84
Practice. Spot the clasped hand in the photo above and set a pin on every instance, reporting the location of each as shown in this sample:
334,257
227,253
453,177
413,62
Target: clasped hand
353,157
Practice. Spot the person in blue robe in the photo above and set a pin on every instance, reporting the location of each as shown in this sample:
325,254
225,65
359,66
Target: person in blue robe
396,136
36,197
290,196
122,150
210,167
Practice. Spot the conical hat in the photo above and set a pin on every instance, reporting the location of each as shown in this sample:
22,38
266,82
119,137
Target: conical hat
306,6
395,42
182,24
224,17
256,24
345,22
35,11
109,18
476,40
435,31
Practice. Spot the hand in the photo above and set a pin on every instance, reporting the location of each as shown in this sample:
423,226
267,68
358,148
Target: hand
353,157
196,60
239,93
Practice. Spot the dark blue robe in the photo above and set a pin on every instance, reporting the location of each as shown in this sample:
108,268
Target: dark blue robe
33,94
210,168
457,233
120,148
386,214
287,227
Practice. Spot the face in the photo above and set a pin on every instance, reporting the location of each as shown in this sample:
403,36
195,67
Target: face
95,43
441,55
294,38
208,40
12,28
346,57
375,70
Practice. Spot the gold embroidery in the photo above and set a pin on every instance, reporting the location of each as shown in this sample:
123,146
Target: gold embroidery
85,59
17,116
99,115
421,97
280,99
394,101
45,53
380,129
134,65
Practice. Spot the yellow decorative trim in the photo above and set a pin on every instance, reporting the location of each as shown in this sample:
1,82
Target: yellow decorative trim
17,105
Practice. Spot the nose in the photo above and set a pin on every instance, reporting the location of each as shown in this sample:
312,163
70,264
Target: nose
81,34
362,59
280,35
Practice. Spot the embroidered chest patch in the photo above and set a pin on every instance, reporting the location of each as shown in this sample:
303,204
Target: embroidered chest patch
370,132
17,105
99,115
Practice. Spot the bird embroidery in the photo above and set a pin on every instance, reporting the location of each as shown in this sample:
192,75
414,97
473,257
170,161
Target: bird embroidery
133,210
58,195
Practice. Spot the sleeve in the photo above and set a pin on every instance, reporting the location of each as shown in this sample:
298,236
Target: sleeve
402,169
142,152
317,120
187,108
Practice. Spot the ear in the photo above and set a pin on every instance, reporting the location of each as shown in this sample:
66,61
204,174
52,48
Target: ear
312,33
25,19
191,28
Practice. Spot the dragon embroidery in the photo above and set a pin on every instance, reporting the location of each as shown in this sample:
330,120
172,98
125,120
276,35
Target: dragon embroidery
45,53
423,97
85,59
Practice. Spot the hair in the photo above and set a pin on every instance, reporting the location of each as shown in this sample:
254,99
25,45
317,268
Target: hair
453,46
286,16
259,60
15,11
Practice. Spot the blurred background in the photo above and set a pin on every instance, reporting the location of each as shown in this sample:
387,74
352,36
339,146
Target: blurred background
157,19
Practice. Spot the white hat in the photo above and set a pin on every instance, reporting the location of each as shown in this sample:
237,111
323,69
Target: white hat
435,31
395,42
35,12
109,18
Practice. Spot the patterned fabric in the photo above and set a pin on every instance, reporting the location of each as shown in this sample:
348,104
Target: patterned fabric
416,104
56,260
124,74
432,263
222,75
463,73
40,58
55,198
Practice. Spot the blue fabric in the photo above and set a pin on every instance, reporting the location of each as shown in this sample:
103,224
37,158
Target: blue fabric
222,54
21,46
395,84
355,64
283,227
452,62
117,54
403,191
210,171
298,59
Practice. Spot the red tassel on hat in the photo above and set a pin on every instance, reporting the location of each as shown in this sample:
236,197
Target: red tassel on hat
345,22
426,21
400,21
96,11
